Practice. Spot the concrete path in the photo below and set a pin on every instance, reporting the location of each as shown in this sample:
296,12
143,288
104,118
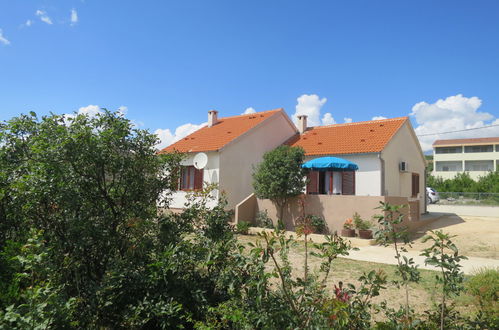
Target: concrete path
386,255
469,210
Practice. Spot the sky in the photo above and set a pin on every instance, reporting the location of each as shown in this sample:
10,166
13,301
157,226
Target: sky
165,64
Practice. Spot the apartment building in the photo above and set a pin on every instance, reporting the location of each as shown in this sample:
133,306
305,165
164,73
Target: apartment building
476,156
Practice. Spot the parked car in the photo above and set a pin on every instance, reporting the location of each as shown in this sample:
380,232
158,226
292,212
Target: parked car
432,195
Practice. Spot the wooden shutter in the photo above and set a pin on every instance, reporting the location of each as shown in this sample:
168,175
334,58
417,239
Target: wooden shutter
198,179
313,182
415,184
348,183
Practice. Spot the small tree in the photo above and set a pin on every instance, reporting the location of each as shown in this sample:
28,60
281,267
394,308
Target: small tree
280,176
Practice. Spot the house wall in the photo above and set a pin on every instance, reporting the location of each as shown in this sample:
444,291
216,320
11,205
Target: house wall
404,147
210,175
335,209
238,158
368,176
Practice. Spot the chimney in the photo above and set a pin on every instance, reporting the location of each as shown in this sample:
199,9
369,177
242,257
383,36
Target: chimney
212,117
302,123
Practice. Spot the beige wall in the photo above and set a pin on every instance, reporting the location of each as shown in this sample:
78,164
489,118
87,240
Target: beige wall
404,146
238,158
334,208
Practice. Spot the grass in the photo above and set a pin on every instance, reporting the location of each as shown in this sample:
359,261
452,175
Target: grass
422,295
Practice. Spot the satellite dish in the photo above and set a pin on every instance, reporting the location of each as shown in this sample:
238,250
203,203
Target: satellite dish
200,160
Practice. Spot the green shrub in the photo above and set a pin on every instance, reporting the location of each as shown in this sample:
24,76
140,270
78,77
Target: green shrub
263,220
484,286
360,223
319,224
242,227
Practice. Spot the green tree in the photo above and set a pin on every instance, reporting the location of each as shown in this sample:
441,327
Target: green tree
280,176
91,185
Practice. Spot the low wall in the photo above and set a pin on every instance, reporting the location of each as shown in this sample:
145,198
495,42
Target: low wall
335,209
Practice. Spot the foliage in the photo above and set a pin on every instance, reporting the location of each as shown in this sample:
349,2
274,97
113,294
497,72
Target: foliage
242,227
318,224
263,220
91,186
280,176
462,182
392,232
450,276
484,286
360,223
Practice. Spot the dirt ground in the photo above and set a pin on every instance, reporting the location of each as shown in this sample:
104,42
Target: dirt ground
475,236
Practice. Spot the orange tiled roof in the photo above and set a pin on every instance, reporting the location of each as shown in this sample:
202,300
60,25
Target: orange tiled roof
466,141
215,137
351,138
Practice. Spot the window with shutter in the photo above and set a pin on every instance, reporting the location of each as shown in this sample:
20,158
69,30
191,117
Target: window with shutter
191,178
415,184
348,183
198,179
313,182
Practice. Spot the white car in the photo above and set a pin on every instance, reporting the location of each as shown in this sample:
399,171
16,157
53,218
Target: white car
432,196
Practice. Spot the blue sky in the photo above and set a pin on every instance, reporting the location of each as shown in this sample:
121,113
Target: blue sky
169,62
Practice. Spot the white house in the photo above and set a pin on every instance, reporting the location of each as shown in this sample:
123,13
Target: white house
387,152
226,151
477,156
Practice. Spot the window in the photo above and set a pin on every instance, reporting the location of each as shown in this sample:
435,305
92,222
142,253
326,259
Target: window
331,183
479,165
450,166
415,184
484,148
190,178
448,150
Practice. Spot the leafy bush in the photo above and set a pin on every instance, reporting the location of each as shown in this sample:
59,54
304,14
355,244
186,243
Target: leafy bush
360,223
484,286
462,182
242,227
263,220
319,224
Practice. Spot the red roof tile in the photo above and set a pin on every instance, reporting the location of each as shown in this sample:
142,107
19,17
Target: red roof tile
226,130
351,138
466,141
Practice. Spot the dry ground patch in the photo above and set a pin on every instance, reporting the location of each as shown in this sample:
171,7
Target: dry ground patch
475,236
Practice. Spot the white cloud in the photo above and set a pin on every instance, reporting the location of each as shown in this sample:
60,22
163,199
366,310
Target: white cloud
3,40
248,111
43,16
90,110
328,119
310,105
453,113
347,120
28,23
74,17
378,118
166,137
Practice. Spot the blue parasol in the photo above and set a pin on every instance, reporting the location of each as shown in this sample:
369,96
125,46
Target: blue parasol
330,163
